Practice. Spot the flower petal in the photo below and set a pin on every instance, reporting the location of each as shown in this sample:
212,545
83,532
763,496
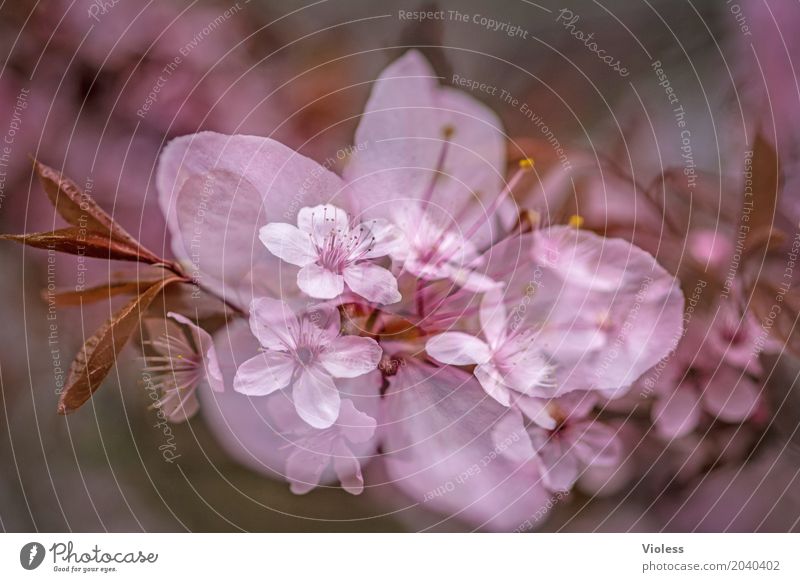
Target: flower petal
273,323
322,220
205,344
458,348
351,356
355,425
304,469
676,414
493,316
264,374
387,238
316,398
438,450
595,443
348,469
319,282
730,395
218,190
288,243
492,382
372,282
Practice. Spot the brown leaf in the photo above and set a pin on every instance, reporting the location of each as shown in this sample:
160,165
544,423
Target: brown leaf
99,352
80,209
100,292
75,241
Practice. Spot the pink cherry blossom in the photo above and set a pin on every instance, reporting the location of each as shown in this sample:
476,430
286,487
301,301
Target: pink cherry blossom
332,252
305,354
547,318
183,363
508,361
567,444
313,451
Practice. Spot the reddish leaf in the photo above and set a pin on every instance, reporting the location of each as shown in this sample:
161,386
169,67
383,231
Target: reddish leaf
75,241
100,293
99,352
80,209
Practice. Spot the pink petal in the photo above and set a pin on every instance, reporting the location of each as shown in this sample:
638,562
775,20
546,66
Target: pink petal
511,439
217,191
319,282
730,395
354,425
304,470
348,469
264,374
536,410
387,238
273,323
372,282
316,398
595,443
458,348
403,128
493,316
351,356
560,467
288,243
492,382
205,344
676,414
438,449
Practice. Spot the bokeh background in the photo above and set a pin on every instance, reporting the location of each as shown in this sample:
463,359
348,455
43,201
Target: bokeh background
76,91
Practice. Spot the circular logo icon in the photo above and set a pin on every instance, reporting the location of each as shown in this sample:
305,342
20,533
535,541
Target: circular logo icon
31,555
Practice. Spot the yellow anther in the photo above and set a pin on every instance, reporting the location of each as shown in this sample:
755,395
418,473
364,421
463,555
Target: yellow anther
526,163
448,131
576,221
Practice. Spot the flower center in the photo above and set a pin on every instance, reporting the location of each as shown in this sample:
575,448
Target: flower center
305,355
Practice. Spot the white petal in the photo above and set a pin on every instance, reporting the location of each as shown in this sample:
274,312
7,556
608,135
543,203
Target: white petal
289,243
351,356
316,398
493,316
319,282
387,238
457,348
264,374
273,323
322,220
492,382
373,283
